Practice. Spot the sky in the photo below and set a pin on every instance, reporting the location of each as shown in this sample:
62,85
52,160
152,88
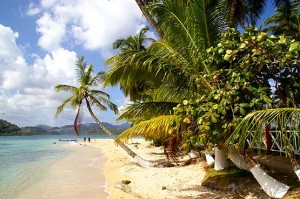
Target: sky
40,41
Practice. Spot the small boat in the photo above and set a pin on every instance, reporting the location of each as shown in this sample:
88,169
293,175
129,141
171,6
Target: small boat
68,140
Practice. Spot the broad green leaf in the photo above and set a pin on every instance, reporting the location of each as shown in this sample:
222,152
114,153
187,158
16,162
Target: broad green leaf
294,46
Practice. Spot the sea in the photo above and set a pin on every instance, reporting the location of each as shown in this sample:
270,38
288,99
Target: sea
37,167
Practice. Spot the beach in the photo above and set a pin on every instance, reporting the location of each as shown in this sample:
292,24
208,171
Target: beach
182,181
34,167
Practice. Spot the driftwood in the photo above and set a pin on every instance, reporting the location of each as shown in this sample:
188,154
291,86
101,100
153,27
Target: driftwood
127,189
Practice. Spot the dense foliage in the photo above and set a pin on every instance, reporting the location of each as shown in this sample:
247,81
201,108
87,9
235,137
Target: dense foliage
199,79
251,71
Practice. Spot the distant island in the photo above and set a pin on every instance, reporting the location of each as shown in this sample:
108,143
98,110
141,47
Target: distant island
9,129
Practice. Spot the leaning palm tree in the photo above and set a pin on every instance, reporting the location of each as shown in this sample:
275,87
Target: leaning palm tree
85,94
169,66
284,120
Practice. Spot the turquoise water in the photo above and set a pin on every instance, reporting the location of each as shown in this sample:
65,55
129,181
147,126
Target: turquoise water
25,161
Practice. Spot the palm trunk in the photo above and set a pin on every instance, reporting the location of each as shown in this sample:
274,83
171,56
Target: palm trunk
142,162
220,160
295,164
232,20
237,159
149,18
290,153
271,186
209,159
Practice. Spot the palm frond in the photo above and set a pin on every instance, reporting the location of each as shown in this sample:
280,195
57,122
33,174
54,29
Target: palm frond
62,106
155,127
63,87
281,119
146,110
80,67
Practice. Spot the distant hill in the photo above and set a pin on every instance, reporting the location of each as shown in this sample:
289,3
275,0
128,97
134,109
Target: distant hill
7,128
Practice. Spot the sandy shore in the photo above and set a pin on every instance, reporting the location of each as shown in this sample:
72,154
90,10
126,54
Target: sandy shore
77,175
159,183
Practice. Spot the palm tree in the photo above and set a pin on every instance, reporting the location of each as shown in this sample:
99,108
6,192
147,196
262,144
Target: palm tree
284,120
246,12
132,79
142,5
85,93
178,61
286,21
170,66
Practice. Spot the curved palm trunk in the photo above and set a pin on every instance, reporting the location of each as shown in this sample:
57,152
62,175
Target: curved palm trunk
220,160
232,23
295,164
271,186
237,159
209,159
149,18
142,162
291,154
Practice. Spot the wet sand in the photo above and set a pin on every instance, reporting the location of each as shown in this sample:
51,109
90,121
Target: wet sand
77,176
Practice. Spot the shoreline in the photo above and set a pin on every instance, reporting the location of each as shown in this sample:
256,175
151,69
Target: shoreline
167,182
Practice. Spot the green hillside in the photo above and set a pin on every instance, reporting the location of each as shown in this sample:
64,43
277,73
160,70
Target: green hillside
7,128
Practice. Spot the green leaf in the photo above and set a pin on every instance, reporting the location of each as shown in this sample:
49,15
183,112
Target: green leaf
267,99
215,106
200,120
243,45
227,57
294,46
207,128
185,102
242,111
214,120
282,40
186,120
228,52
221,51
244,105
262,36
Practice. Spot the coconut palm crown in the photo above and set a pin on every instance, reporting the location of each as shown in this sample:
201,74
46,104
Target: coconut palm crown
85,92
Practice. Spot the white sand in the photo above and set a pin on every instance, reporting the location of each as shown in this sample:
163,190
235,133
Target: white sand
179,181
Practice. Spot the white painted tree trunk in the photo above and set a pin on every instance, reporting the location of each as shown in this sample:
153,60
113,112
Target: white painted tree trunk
271,186
237,159
220,160
143,163
209,159
297,172
294,162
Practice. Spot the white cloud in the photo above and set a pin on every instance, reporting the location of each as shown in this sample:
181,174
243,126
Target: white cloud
27,94
92,24
52,32
26,88
8,48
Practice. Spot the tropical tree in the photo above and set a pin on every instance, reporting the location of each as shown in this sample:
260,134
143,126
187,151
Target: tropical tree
171,64
133,80
142,5
214,79
285,21
85,94
283,120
